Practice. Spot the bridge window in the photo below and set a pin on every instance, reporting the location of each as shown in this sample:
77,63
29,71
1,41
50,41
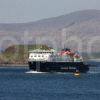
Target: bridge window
34,55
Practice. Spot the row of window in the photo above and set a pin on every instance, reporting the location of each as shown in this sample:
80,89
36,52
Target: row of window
43,52
38,56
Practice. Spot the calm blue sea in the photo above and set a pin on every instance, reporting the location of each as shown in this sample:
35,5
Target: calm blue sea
16,84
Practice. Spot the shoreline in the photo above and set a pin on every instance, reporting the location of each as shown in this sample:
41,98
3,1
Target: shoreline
13,65
94,60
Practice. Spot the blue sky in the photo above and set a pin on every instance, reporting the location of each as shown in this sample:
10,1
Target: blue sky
19,11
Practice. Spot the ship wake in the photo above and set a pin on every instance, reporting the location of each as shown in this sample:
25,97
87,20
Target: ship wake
34,72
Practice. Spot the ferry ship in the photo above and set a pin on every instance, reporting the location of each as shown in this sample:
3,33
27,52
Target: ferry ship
51,60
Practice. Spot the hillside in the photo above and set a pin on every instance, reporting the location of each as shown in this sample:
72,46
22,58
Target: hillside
83,26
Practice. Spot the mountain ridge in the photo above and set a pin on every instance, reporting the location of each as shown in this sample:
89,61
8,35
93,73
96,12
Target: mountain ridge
82,24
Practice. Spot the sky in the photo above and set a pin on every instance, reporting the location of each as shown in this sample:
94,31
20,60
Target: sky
20,11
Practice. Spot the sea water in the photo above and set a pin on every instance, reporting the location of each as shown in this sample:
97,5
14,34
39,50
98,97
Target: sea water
16,83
